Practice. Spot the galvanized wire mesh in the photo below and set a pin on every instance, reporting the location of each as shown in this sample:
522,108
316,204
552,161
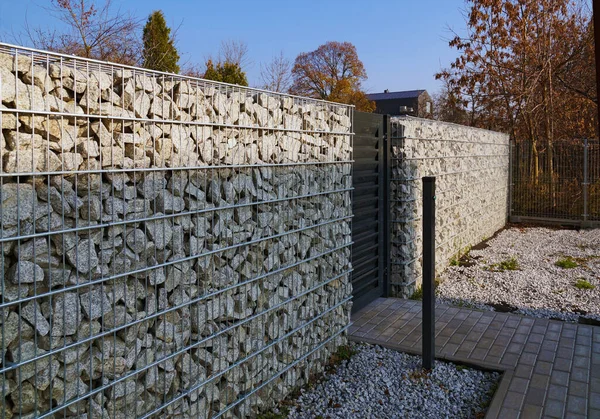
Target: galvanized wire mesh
471,168
170,247
556,181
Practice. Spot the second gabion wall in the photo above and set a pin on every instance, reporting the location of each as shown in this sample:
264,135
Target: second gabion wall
169,247
471,167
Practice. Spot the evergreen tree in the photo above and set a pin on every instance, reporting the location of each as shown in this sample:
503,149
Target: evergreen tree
159,51
226,72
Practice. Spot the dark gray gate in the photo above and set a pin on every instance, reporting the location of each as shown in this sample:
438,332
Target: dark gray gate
370,230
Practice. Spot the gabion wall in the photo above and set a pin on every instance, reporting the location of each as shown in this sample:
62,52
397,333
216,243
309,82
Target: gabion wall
170,247
471,168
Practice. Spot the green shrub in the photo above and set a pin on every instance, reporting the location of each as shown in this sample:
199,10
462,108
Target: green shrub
583,284
566,263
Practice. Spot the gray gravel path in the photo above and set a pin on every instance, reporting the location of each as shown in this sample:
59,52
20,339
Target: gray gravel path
538,287
381,383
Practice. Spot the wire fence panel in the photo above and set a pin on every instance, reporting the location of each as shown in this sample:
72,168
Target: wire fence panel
594,181
555,181
170,247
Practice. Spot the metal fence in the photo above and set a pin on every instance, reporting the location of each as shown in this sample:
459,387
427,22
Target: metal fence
556,182
170,247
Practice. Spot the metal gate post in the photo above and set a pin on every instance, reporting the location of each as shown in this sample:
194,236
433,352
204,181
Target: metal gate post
585,182
428,285
387,207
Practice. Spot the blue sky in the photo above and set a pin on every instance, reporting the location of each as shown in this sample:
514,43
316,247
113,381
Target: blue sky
401,43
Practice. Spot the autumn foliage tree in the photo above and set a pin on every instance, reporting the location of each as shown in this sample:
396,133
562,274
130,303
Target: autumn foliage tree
526,67
159,51
332,72
90,30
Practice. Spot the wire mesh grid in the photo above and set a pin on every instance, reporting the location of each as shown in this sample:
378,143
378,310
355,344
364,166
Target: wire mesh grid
556,181
471,194
170,246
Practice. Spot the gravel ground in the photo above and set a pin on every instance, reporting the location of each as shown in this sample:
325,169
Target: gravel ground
537,287
381,383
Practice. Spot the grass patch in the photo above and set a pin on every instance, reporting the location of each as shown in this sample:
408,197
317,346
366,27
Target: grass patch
511,264
282,414
583,284
418,293
566,263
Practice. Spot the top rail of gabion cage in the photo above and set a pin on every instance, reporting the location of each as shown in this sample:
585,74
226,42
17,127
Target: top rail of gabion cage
49,57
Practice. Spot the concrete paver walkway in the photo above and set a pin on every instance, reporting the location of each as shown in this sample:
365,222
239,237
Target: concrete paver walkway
551,368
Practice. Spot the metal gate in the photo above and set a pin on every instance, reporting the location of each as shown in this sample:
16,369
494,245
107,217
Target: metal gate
370,230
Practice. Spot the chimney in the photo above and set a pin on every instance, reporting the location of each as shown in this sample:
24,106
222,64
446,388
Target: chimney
386,91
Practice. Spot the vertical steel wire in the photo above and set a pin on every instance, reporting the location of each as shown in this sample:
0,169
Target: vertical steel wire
121,316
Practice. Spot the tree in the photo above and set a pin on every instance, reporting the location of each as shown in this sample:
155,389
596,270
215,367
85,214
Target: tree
225,72
159,51
276,75
526,67
235,52
332,72
448,107
91,31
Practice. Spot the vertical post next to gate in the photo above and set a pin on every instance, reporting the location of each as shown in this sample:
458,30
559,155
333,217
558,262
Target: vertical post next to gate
428,272
586,182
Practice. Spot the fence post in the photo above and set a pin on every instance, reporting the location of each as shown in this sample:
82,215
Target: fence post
510,179
428,285
585,182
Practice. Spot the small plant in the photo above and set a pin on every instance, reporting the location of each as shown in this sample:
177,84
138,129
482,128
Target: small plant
506,265
418,294
282,414
566,263
344,353
583,284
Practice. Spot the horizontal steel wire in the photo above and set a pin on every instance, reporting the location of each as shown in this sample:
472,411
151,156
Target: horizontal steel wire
114,330
167,121
451,157
166,169
439,192
66,59
412,179
287,368
443,243
440,209
160,217
169,263
206,339
449,140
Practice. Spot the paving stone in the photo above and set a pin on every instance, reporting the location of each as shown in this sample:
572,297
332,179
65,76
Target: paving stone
554,408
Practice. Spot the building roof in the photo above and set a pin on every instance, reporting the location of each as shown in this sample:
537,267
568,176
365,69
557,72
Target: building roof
407,94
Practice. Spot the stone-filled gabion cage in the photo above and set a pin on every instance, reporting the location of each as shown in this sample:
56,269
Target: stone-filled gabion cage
170,246
471,167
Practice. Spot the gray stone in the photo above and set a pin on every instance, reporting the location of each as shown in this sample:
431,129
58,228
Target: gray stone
18,201
137,240
160,231
33,314
168,204
25,272
95,303
83,257
66,315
